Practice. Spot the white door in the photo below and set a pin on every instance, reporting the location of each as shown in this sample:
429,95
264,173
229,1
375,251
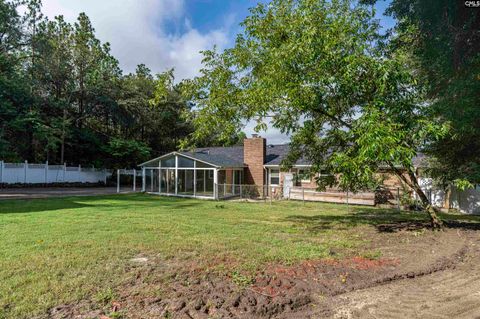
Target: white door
287,184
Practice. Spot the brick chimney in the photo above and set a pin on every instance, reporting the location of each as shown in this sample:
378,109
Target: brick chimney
254,153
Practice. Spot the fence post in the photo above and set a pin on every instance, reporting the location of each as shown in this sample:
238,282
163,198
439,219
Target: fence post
134,179
303,195
46,172
105,176
398,198
348,206
25,172
1,171
271,194
143,179
240,191
79,168
118,181
151,180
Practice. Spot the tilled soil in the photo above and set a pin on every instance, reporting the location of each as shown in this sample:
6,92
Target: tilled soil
420,274
450,293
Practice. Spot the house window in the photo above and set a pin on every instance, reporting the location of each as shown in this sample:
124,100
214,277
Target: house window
274,177
303,175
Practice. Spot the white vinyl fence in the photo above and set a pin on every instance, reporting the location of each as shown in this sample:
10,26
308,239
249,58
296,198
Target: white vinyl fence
467,201
27,173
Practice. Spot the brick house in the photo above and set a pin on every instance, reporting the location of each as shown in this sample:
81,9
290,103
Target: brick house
221,172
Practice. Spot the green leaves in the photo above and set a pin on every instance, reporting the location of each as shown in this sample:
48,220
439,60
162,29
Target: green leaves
441,41
314,69
128,152
63,96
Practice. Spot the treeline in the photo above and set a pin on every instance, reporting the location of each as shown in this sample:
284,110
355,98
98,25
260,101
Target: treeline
63,97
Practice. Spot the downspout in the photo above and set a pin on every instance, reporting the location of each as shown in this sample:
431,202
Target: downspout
266,180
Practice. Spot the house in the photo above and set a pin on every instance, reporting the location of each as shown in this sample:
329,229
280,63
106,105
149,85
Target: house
219,172
254,170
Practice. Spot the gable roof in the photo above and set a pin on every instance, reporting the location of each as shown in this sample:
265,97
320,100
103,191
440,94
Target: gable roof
232,156
277,153
229,154
213,156
421,160
219,156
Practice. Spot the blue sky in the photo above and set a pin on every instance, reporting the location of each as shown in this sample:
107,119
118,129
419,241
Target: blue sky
206,15
166,34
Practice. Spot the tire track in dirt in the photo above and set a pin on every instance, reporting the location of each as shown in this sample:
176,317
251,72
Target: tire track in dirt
426,275
451,293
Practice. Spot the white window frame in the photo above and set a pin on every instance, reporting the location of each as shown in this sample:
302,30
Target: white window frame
270,176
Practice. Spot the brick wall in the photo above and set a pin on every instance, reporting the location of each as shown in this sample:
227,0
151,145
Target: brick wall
254,153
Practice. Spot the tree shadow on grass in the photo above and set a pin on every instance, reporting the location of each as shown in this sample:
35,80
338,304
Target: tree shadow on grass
383,220
108,202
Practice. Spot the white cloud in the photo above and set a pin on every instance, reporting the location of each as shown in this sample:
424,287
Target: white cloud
273,135
136,32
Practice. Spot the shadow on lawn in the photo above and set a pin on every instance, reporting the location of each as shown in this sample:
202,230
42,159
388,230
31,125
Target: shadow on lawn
382,220
108,202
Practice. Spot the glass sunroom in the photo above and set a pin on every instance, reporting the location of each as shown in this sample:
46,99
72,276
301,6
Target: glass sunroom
190,174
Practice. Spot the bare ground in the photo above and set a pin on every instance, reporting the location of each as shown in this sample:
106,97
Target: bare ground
449,291
420,274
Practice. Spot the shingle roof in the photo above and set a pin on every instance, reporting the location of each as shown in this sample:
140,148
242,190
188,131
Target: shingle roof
277,153
421,160
220,156
233,156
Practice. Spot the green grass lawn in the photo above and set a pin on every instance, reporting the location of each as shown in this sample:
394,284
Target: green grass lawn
56,251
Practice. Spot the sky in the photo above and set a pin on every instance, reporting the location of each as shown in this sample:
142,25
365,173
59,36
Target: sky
166,34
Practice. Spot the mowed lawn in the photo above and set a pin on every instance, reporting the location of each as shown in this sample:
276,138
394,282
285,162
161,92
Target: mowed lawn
58,251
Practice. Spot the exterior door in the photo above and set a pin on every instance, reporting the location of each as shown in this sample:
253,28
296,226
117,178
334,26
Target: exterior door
287,184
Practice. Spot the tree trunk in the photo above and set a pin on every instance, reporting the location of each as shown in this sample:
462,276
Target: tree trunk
432,211
448,196
412,182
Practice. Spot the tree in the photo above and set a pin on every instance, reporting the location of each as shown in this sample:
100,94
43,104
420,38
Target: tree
314,68
442,39
15,97
63,97
56,83
169,107
127,152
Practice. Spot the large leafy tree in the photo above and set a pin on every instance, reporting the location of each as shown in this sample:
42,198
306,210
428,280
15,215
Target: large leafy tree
313,68
56,83
442,39
15,95
63,97
168,107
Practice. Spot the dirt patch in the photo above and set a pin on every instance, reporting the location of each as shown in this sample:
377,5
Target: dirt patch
320,288
452,291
